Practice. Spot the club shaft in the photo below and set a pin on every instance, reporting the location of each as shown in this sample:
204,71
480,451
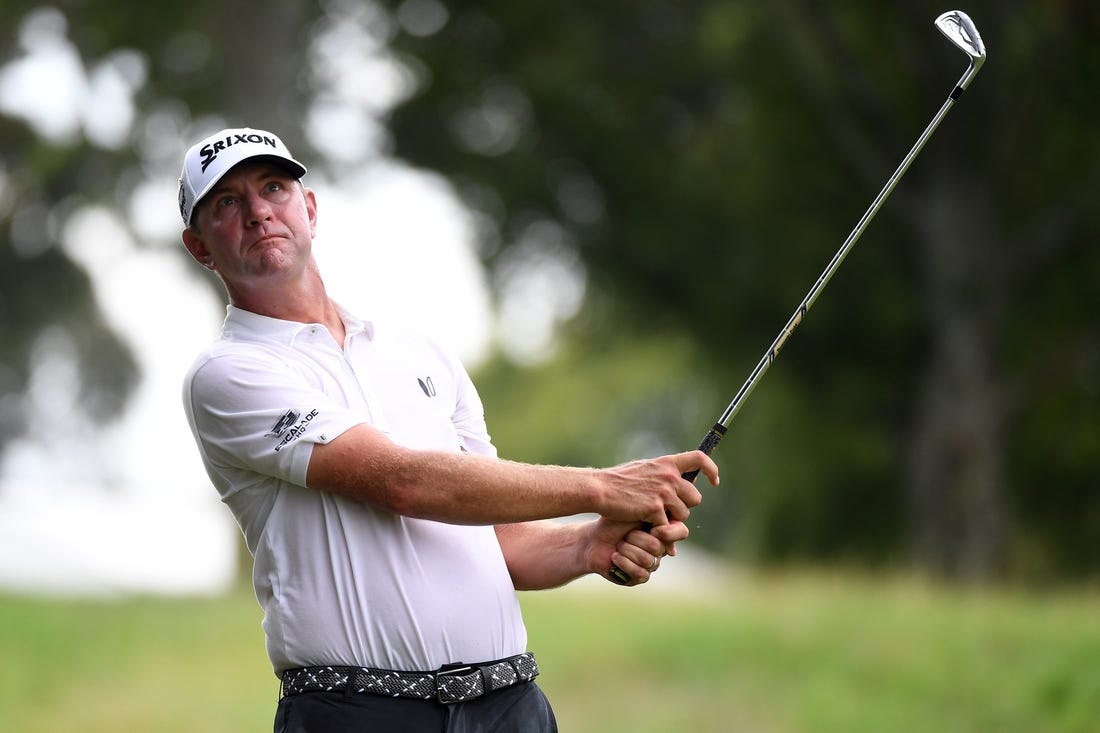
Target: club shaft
718,430
800,312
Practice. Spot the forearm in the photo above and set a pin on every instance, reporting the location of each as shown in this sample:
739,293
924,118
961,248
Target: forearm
458,488
544,555
461,488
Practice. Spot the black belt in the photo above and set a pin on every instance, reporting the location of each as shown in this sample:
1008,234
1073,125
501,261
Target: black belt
449,684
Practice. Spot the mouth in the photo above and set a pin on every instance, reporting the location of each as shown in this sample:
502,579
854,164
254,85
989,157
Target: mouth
266,240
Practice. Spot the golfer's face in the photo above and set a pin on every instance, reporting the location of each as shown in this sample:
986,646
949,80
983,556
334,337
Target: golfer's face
258,220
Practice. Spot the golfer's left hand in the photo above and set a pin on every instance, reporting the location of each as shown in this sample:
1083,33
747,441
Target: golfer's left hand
639,553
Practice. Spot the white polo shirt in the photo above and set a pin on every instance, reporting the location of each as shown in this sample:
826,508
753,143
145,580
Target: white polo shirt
340,582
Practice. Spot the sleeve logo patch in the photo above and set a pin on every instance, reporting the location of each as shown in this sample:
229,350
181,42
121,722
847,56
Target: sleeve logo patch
283,423
290,427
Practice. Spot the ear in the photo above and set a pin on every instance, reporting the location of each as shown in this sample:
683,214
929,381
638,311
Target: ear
197,248
311,209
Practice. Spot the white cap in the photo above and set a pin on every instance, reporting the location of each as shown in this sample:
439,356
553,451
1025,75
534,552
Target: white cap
210,159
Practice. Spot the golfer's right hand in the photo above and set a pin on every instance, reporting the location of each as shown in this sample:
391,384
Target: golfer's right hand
653,490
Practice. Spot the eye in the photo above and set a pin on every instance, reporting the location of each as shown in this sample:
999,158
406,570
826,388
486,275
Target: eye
274,186
225,201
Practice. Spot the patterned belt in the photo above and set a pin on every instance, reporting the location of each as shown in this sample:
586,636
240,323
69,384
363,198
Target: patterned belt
449,684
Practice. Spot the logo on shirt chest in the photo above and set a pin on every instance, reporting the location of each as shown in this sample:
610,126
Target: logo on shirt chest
427,385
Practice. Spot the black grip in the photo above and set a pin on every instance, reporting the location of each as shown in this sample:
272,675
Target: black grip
709,443
712,438
617,576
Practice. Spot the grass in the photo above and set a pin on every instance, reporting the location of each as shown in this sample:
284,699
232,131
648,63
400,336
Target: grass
767,654
149,665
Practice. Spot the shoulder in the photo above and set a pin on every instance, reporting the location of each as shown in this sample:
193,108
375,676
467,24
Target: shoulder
225,356
228,371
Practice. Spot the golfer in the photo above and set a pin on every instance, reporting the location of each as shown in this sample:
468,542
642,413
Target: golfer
388,539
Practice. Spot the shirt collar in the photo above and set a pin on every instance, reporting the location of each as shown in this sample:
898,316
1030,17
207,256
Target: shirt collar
240,323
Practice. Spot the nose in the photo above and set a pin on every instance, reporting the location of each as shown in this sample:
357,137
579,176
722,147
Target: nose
258,209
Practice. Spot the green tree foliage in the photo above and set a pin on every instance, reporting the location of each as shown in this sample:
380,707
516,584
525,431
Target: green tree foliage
703,160
195,67
707,158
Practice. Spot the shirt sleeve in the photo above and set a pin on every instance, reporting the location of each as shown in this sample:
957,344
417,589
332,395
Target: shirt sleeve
469,416
254,412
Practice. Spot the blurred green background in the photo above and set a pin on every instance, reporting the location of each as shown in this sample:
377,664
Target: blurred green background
651,188
774,653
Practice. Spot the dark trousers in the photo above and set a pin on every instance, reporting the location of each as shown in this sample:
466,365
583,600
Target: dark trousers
521,708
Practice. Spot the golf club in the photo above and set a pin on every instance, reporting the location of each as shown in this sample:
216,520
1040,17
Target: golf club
960,30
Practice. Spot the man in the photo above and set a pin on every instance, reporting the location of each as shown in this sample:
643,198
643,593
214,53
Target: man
388,539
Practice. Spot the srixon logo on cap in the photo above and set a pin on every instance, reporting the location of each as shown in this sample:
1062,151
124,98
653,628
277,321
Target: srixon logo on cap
209,152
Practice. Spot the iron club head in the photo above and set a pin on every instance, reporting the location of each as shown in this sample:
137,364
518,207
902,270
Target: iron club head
960,30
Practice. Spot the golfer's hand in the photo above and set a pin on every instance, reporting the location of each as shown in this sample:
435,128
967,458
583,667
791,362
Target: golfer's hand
654,490
636,552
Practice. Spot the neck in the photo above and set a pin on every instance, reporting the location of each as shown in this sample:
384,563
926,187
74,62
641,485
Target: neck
306,301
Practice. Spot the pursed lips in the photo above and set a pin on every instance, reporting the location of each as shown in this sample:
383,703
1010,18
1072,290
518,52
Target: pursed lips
265,239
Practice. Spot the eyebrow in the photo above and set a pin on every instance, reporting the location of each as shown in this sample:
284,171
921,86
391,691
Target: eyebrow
267,174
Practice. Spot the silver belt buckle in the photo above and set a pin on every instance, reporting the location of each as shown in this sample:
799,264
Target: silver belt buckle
457,670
